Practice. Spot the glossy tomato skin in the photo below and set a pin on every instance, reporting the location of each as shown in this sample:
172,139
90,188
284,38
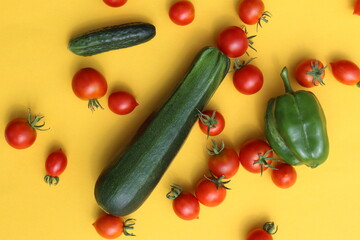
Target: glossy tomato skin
19,133
217,128
346,72
209,194
115,3
182,13
357,7
109,226
303,69
285,175
122,102
250,152
259,234
233,42
56,163
186,206
88,84
248,79
225,163
250,11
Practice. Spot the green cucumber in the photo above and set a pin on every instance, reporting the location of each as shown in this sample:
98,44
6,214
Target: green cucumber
128,181
111,38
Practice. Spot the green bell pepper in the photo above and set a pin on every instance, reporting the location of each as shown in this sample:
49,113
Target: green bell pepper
295,126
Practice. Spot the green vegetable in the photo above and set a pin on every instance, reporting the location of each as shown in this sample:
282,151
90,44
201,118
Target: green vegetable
111,38
296,127
124,185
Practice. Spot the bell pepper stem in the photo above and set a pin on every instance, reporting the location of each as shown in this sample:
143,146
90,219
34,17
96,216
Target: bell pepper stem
285,77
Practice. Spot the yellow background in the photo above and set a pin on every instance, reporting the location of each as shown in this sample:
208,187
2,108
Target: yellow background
36,73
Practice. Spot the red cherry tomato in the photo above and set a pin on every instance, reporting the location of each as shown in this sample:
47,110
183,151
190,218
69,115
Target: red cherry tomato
185,205
89,84
357,7
256,156
122,102
250,11
346,72
310,72
211,191
55,165
21,133
284,176
111,227
264,233
211,122
182,13
223,161
115,3
233,42
248,79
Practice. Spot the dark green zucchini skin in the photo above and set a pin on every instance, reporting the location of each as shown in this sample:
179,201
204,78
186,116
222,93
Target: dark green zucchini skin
126,183
111,38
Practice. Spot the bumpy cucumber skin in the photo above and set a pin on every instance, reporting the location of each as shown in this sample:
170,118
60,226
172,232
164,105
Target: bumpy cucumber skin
126,183
112,38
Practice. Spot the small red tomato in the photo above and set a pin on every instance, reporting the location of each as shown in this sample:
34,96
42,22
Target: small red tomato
264,233
89,84
55,165
115,3
233,42
250,11
256,156
284,176
223,161
21,133
211,191
211,122
248,79
346,72
182,13
122,102
357,7
185,205
111,227
310,72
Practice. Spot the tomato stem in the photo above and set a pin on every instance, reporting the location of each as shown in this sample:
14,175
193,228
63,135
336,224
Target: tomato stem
34,122
51,180
358,84
218,181
263,161
238,64
270,228
263,18
316,72
207,120
93,104
216,150
128,226
174,192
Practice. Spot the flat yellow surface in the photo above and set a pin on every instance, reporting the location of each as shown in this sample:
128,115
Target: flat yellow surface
36,73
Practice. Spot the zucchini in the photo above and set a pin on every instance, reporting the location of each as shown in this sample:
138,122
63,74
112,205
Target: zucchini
111,38
126,183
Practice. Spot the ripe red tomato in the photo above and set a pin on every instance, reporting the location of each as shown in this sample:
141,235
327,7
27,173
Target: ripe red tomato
285,175
89,84
233,42
223,161
263,233
256,156
248,79
250,11
182,13
21,133
211,122
346,72
357,7
122,102
55,165
185,205
115,3
111,227
211,191
309,72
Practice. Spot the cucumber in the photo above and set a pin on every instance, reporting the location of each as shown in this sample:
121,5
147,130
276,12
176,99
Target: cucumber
127,182
111,38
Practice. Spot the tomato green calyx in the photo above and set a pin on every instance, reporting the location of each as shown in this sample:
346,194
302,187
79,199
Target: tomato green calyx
93,104
216,149
218,181
358,84
129,224
51,180
263,161
317,73
251,42
263,18
270,228
207,120
238,64
175,191
34,123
